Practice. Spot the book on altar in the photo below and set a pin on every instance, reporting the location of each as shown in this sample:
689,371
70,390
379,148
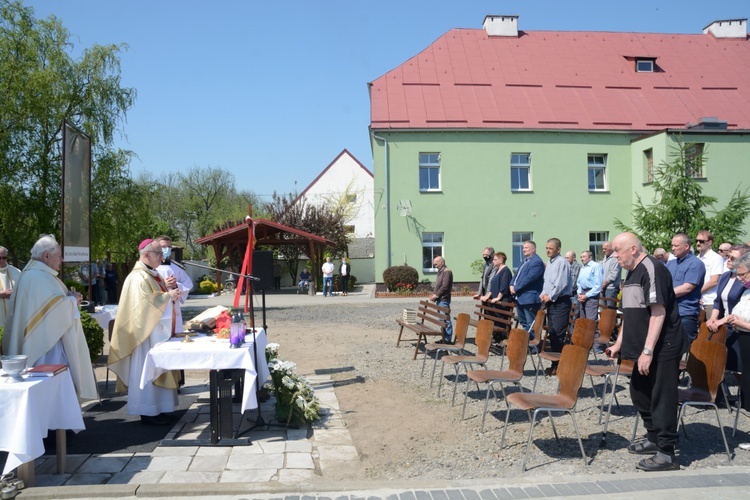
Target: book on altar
46,370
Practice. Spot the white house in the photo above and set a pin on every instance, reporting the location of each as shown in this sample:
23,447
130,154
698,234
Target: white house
347,180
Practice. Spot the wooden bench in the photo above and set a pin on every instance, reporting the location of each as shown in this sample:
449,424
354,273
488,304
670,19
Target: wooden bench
501,314
431,320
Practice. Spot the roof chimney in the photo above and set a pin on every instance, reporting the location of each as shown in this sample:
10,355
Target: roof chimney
501,25
728,28
708,123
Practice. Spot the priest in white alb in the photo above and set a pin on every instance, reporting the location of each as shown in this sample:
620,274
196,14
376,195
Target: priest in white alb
8,278
144,319
44,322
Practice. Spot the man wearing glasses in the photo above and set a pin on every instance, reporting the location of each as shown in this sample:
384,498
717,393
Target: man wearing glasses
724,250
8,278
714,265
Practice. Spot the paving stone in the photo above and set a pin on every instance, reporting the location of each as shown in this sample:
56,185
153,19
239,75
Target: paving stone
215,463
533,492
212,451
470,495
517,492
338,453
248,476
174,451
87,479
608,487
502,494
49,465
332,436
50,479
487,495
422,495
592,488
296,434
169,463
251,449
295,475
439,494
548,490
454,495
136,477
563,489
259,461
302,446
299,461
174,476
273,446
407,495
99,464
137,464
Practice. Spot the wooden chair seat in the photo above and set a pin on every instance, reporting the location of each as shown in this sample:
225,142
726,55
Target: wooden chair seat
528,401
461,329
485,376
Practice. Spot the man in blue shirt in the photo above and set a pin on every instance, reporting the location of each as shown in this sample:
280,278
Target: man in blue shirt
589,285
527,285
688,273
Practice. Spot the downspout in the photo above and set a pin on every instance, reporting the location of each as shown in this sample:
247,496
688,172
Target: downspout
387,202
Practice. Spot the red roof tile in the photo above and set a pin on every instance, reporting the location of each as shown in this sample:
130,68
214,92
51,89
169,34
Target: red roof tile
569,80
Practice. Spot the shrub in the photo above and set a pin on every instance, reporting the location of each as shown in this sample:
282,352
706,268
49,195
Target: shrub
400,274
94,335
352,281
76,285
208,287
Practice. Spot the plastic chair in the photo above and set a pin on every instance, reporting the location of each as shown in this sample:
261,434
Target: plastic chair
483,340
515,350
461,328
570,375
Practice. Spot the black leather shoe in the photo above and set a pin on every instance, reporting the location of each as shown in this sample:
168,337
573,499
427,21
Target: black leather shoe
657,464
157,420
644,447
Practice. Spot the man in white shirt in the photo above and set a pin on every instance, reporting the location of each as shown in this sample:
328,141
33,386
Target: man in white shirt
714,268
8,278
724,250
327,269
174,276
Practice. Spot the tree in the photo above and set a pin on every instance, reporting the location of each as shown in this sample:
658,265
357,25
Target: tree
327,220
191,204
679,205
41,85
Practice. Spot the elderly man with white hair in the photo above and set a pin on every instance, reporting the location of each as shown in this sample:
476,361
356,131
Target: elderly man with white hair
43,319
8,278
144,319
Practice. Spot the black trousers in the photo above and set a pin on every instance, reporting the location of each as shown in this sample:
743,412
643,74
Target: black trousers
655,397
744,341
558,314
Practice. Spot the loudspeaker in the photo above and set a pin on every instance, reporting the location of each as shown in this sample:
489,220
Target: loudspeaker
263,269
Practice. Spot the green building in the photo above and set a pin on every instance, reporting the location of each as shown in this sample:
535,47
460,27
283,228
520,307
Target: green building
493,136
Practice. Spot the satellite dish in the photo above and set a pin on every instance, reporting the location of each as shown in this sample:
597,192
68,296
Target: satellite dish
404,208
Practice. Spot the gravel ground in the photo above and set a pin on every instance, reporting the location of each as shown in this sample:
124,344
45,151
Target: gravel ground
418,434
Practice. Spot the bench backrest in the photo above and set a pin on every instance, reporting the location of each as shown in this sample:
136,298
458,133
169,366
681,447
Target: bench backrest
433,313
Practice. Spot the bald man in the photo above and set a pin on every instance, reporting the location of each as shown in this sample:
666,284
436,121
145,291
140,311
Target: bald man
652,337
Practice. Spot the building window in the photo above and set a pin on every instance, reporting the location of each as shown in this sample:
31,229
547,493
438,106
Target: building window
432,246
520,172
694,160
644,65
429,171
351,198
518,239
349,229
596,244
597,172
648,161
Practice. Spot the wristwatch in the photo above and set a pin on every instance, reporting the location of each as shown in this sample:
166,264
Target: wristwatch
648,352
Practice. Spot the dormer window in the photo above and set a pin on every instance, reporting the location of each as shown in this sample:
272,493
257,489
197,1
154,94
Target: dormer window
644,65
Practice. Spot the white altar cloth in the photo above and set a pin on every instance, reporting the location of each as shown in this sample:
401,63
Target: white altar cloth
29,409
210,353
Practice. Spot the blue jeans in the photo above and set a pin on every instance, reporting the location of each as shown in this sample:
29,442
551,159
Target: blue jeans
327,285
527,315
448,332
690,328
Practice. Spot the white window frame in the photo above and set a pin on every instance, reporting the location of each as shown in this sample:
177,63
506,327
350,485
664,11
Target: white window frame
596,243
594,166
644,65
693,151
518,239
517,164
428,241
426,162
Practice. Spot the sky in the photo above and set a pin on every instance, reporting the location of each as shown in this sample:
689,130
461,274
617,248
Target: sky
273,91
